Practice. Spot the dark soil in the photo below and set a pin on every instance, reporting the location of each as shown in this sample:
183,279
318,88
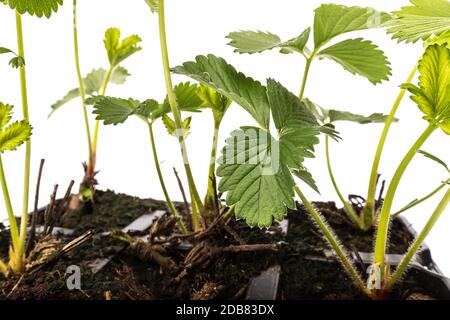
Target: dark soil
141,271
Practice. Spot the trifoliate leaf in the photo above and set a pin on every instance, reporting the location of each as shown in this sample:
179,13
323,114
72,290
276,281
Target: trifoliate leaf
153,4
255,181
5,114
258,41
217,73
114,110
435,159
332,20
307,178
118,50
360,57
37,8
422,20
14,135
336,115
433,94
217,102
93,84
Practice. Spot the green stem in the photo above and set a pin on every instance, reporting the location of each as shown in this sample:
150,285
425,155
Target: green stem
81,82
211,192
172,208
419,240
419,201
26,182
97,122
174,107
385,216
9,209
331,238
351,213
370,204
305,75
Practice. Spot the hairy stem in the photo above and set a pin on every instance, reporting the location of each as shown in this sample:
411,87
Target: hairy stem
421,200
348,208
419,240
170,204
9,209
385,216
26,182
331,238
81,82
370,205
175,110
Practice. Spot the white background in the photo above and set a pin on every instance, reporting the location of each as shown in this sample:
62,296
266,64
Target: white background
199,27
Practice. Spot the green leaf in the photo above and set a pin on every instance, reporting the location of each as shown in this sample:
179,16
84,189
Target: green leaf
17,62
422,20
253,41
307,178
118,50
37,8
433,94
336,115
218,74
5,114
93,83
187,97
297,44
258,41
153,4
113,110
435,159
360,57
443,39
217,102
332,20
256,168
256,183
14,135
172,127
297,126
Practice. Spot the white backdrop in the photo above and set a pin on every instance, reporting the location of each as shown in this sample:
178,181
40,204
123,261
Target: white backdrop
199,27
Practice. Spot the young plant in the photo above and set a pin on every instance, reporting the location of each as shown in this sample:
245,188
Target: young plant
357,56
257,168
12,135
115,111
39,9
427,20
433,98
96,83
197,205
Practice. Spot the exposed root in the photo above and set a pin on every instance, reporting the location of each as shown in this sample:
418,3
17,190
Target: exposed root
130,286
